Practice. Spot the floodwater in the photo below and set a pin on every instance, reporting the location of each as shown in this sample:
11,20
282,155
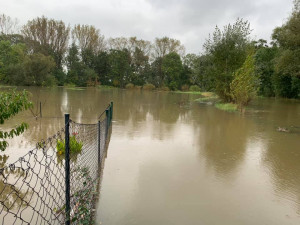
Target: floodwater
174,161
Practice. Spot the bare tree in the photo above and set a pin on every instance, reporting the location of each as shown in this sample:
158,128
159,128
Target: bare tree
166,45
88,38
8,25
47,36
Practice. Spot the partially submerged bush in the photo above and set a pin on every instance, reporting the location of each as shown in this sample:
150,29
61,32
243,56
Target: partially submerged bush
75,146
195,88
148,87
129,86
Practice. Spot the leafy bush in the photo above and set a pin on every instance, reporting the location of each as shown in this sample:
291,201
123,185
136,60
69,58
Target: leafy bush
185,87
75,146
148,87
195,88
165,89
129,86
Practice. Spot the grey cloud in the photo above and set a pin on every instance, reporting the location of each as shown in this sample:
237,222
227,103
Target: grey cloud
188,20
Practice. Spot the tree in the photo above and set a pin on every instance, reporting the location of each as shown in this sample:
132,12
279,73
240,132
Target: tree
287,62
11,103
172,70
47,36
8,25
38,70
120,69
244,86
166,45
87,37
265,69
228,51
11,57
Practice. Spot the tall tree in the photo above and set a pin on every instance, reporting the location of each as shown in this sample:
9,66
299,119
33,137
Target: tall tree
87,37
166,45
172,70
228,49
47,36
8,25
243,87
287,65
120,69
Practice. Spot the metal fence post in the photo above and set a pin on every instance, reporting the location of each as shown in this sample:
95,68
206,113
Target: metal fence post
112,109
99,152
41,109
67,167
107,121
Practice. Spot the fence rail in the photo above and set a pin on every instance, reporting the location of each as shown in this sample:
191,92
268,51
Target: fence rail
57,181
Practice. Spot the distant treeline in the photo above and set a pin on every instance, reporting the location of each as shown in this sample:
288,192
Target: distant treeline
46,52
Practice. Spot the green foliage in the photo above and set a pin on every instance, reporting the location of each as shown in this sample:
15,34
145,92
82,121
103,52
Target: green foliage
195,88
75,146
11,103
243,88
264,68
228,50
120,69
229,107
172,69
287,62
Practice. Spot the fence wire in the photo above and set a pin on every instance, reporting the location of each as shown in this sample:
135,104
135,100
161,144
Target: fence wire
32,190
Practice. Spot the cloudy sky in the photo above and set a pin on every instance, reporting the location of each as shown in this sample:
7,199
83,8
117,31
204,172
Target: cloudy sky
190,21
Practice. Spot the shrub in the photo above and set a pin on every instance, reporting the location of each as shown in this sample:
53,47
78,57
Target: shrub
138,87
185,87
129,86
195,88
148,87
165,89
75,146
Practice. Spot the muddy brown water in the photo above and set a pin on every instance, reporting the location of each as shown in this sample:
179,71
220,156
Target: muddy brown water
172,160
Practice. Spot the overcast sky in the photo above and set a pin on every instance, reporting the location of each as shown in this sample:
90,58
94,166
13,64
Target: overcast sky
190,21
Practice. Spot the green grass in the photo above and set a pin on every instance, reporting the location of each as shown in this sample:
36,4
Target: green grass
229,107
207,97
189,92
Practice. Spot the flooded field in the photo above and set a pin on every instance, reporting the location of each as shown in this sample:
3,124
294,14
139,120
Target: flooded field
172,160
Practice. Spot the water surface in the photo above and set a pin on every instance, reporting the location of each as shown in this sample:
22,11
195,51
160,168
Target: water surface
172,160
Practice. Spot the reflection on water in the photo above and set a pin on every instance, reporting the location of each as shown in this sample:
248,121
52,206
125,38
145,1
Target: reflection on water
12,197
174,161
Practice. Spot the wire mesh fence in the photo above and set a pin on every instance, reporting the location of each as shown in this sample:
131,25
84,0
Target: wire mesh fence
38,188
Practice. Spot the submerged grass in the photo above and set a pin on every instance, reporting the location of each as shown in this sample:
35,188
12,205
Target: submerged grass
229,107
207,97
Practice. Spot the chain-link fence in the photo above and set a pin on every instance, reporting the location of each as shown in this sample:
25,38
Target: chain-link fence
58,181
